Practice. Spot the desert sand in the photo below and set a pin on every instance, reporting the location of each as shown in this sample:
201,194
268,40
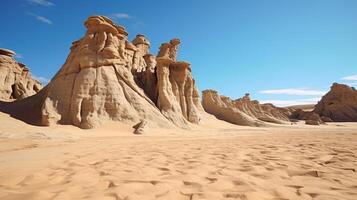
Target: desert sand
215,160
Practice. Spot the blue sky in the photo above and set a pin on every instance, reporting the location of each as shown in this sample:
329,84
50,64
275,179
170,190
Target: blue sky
280,51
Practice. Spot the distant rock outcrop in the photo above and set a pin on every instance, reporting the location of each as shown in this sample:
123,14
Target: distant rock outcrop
339,104
313,119
15,78
106,77
243,111
309,117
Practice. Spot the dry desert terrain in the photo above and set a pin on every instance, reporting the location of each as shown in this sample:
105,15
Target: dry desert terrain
212,161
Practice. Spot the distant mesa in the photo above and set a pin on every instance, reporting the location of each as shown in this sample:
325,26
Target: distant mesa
243,111
107,77
16,81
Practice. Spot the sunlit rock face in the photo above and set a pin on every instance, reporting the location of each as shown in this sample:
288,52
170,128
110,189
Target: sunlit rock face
107,77
339,104
96,82
16,81
243,111
178,97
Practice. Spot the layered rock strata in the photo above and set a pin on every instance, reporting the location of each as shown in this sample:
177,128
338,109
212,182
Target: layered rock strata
243,111
107,77
178,97
16,81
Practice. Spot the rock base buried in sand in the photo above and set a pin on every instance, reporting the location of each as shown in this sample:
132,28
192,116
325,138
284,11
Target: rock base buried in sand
310,117
140,128
312,122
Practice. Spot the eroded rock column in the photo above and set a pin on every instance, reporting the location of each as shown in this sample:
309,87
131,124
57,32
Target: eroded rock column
178,97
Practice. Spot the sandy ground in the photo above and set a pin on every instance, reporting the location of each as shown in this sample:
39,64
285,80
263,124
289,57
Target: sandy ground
212,161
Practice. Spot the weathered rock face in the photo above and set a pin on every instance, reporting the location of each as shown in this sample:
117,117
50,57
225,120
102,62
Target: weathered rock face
15,79
96,82
313,119
178,97
301,114
142,48
169,83
106,77
339,104
310,117
145,75
242,111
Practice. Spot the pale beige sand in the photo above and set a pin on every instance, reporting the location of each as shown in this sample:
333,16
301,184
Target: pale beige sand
213,161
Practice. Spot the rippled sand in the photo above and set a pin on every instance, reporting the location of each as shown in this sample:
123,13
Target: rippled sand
284,162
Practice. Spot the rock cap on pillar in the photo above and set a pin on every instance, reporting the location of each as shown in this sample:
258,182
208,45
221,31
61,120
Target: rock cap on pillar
7,52
141,39
164,51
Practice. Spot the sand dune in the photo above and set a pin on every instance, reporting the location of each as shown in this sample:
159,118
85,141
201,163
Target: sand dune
229,162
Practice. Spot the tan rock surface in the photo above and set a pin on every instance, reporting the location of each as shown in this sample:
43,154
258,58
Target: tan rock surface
242,111
142,45
178,97
16,81
96,82
339,104
308,115
106,77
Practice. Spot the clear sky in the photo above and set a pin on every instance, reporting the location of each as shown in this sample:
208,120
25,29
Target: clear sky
280,51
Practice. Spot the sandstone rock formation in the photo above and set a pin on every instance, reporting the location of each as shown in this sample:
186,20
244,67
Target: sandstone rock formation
106,77
310,117
178,97
15,78
313,119
339,104
96,82
243,111
169,83
142,48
